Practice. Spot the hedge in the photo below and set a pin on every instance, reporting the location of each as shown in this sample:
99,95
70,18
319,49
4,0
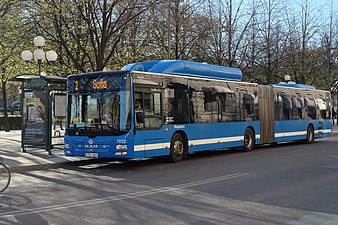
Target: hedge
14,122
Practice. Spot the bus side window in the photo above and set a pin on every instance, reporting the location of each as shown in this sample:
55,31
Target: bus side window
287,107
278,107
231,107
139,113
152,110
249,107
148,112
210,106
310,108
297,106
178,103
323,108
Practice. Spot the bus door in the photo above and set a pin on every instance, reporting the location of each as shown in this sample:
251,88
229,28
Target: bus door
148,119
266,114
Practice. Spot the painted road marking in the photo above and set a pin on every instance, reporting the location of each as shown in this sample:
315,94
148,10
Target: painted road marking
123,196
201,206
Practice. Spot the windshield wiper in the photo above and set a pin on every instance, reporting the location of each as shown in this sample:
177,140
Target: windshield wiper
72,129
97,129
105,126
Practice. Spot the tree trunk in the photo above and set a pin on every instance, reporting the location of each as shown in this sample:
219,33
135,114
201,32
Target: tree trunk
4,100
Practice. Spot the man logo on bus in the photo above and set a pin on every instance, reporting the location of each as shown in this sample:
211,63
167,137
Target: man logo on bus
90,142
102,84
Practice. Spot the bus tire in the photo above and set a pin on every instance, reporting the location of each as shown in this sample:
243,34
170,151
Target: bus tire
249,140
310,135
177,148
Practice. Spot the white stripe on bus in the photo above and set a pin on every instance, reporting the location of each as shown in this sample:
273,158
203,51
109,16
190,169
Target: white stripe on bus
215,140
220,140
289,134
323,131
296,133
151,146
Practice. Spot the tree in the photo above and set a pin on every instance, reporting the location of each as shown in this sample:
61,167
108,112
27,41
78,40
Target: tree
229,25
271,42
12,33
86,32
172,31
303,54
266,39
329,51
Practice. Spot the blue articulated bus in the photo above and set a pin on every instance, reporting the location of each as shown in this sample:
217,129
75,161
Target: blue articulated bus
173,108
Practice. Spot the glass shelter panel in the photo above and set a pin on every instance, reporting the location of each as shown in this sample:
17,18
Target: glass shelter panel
34,113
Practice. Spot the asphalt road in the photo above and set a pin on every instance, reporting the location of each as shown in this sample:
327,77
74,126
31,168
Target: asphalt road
294,184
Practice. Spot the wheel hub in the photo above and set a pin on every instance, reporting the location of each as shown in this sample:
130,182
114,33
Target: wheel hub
178,147
248,140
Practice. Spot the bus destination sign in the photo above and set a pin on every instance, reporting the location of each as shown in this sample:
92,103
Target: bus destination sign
96,84
101,84
105,82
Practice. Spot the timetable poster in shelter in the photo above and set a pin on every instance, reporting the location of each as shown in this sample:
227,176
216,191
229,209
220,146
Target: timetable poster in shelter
34,113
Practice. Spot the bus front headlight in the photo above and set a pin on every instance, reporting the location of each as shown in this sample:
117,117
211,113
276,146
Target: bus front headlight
121,147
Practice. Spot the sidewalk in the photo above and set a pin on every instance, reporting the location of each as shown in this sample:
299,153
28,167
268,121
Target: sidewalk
33,158
38,158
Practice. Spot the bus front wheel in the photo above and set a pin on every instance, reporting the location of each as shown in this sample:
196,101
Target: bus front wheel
177,148
249,140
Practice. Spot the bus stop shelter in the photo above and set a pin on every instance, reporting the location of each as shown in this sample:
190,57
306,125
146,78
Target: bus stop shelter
43,110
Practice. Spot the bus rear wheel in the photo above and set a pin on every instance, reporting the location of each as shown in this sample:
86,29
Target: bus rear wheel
177,148
310,135
249,140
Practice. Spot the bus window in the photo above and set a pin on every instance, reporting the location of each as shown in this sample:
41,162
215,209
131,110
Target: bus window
210,106
231,104
152,110
296,108
249,107
148,113
192,115
177,101
328,103
197,103
287,106
197,100
139,114
322,106
278,107
310,108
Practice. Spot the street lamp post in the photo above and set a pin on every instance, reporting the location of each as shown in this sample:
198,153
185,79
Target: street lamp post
39,55
287,78
41,111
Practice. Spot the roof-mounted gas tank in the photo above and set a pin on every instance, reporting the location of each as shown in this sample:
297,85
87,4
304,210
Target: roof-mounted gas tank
187,68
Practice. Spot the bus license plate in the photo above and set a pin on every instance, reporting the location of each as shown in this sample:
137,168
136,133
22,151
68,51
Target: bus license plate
92,155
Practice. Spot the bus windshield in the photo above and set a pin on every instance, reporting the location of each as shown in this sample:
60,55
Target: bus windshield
99,105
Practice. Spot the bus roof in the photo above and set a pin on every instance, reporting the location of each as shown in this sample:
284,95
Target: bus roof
187,68
294,85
